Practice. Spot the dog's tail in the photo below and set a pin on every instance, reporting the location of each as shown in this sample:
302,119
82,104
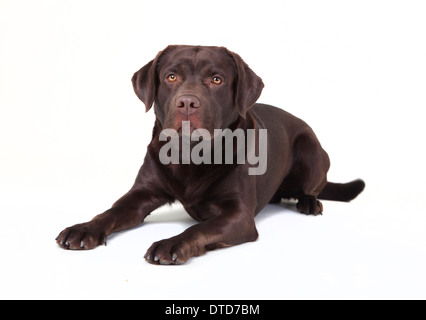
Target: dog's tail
342,191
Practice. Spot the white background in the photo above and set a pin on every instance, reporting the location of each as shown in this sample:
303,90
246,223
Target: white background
73,136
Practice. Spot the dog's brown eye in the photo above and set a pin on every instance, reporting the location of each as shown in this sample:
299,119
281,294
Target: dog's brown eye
172,78
216,80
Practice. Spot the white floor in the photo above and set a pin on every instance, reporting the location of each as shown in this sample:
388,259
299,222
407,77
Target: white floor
364,249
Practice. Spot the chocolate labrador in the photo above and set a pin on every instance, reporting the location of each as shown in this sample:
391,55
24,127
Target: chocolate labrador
202,95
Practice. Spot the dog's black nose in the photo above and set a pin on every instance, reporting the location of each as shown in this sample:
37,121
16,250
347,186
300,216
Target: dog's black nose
188,104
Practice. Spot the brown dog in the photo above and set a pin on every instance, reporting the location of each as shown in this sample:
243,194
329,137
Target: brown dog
212,88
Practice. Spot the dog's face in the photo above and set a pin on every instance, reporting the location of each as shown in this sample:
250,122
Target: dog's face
209,86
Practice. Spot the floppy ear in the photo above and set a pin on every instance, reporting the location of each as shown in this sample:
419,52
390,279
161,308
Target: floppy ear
248,86
144,82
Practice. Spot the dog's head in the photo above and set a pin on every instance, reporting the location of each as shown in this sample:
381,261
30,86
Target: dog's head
209,86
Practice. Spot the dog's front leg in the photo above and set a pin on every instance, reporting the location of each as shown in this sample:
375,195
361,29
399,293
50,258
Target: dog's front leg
127,212
231,227
146,195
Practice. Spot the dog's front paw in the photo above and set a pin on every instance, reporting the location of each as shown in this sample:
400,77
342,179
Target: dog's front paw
172,251
81,237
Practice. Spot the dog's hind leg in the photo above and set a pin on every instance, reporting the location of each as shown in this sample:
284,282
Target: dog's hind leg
312,164
307,176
